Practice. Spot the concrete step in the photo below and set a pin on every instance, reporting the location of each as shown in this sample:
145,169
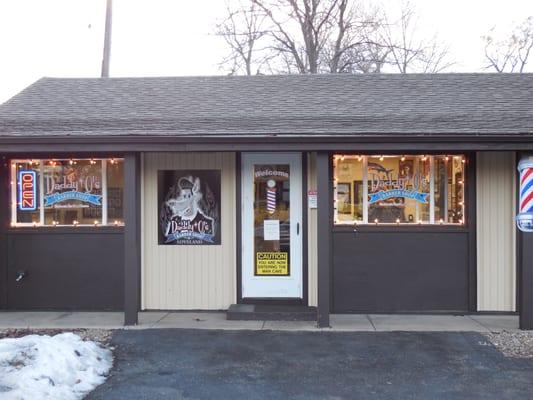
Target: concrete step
262,312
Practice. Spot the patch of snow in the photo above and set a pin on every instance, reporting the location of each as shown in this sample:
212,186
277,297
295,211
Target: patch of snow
51,367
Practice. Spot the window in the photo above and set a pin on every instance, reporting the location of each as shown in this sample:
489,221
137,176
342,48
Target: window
406,189
67,192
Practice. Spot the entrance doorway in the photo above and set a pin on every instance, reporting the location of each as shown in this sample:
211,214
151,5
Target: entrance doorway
272,226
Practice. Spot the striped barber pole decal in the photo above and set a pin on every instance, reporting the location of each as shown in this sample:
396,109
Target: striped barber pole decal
524,219
526,190
271,200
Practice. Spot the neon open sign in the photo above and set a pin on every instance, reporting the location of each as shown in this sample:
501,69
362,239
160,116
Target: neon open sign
27,191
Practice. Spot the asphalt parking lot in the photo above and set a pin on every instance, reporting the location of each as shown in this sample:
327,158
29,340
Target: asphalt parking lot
212,364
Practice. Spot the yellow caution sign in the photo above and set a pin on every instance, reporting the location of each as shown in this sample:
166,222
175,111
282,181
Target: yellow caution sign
272,263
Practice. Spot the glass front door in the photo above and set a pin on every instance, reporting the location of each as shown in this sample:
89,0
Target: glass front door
271,241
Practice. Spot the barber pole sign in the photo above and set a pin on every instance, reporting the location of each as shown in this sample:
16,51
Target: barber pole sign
271,196
27,182
524,219
526,190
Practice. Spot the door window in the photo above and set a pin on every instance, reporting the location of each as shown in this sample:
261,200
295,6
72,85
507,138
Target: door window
271,220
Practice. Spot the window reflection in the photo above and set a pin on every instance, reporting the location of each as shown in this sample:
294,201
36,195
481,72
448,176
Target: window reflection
399,189
67,192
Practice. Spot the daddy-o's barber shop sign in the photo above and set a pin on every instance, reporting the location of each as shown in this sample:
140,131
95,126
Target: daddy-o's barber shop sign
189,207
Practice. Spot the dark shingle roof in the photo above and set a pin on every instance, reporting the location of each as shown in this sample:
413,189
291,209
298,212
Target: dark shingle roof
417,104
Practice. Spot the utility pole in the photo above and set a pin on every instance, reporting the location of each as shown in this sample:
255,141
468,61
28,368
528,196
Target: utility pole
107,39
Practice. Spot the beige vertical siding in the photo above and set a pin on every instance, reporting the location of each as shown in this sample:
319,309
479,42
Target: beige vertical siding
311,233
188,277
496,269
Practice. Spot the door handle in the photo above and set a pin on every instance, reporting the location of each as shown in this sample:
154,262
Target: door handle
20,276
297,228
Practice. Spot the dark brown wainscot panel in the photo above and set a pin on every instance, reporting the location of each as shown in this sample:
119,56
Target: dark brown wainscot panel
400,270
65,269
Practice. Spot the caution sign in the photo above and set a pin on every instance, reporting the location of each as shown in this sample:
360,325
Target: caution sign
272,263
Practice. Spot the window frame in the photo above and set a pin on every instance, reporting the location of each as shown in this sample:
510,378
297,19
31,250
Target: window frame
104,222
432,222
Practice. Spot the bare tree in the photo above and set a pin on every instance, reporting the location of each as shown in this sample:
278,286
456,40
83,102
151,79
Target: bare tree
408,52
356,47
242,30
435,57
300,29
295,36
320,36
510,54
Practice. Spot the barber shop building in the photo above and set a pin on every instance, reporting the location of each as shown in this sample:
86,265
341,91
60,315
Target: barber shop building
311,194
